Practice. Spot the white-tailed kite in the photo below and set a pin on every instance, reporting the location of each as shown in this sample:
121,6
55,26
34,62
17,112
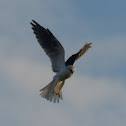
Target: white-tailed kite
56,53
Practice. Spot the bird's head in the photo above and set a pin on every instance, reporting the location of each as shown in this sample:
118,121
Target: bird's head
71,68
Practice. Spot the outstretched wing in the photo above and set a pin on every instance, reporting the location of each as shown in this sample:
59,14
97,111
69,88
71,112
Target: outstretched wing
76,56
51,46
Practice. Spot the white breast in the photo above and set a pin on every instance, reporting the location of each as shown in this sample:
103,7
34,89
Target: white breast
64,74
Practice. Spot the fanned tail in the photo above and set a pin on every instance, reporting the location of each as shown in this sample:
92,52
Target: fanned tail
53,93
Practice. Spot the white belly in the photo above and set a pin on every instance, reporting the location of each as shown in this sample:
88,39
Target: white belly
63,75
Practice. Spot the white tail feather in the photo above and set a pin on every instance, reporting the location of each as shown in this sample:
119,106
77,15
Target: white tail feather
51,97
52,93
43,93
55,98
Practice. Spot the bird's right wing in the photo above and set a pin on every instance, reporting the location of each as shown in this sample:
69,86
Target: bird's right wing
76,56
51,46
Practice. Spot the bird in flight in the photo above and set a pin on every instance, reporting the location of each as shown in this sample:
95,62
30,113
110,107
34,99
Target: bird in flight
56,53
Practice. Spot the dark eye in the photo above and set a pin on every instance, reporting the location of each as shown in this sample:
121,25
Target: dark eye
71,71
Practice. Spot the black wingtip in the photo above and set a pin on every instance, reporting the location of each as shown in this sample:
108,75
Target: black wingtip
34,23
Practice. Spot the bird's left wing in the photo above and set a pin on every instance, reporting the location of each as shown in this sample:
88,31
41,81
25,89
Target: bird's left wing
51,46
76,56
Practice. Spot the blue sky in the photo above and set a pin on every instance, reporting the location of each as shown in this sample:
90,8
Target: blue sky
96,93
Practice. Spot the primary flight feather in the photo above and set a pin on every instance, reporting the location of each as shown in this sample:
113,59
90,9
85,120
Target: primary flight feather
56,53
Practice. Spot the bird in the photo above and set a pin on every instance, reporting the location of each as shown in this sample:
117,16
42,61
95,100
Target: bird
55,51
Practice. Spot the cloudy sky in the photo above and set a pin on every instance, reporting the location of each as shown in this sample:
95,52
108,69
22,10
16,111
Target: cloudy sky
95,95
